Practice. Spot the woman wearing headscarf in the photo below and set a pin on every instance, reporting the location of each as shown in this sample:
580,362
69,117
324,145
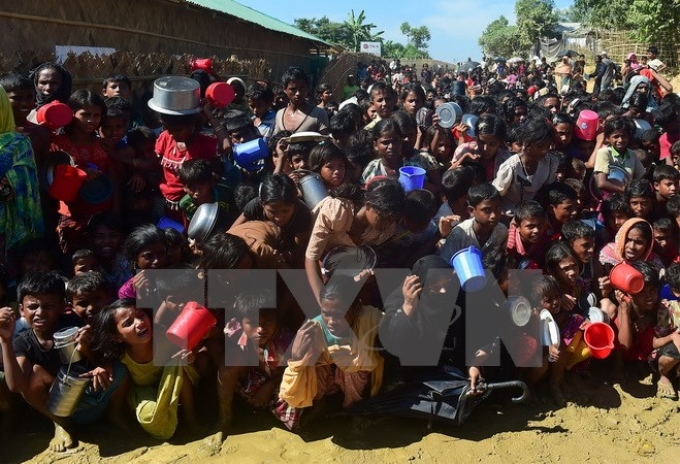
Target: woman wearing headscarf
20,213
52,83
634,242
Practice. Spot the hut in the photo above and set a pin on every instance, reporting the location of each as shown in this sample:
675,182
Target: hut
220,28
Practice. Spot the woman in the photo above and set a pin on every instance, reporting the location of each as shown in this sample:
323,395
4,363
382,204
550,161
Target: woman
634,242
563,75
52,83
20,215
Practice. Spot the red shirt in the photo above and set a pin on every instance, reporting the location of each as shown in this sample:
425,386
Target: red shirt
666,142
200,147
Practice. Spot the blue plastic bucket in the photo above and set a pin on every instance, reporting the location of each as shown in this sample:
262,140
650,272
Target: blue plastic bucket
167,223
468,265
249,153
412,178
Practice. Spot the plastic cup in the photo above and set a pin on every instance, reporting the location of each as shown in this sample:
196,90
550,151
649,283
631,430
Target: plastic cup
247,154
54,115
468,265
191,326
600,339
412,178
626,278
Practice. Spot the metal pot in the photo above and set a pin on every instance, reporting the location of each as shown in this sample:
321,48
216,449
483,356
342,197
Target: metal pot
313,188
208,219
617,175
67,390
176,95
65,342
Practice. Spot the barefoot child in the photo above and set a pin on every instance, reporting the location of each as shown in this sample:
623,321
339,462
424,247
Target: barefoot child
666,355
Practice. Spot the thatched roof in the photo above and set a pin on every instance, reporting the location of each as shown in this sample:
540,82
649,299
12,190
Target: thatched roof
245,13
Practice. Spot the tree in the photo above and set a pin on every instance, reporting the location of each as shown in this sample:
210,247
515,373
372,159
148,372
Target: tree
418,36
656,21
500,39
535,19
322,28
392,49
355,31
609,14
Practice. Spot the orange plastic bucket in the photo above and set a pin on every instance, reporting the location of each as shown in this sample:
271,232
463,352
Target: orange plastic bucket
67,182
600,339
220,94
626,278
191,326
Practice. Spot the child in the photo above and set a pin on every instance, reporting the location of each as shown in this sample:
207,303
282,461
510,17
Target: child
353,219
615,211
561,202
330,163
342,126
88,293
640,198
617,133
125,333
81,143
562,265
666,353
439,142
527,241
299,115
383,100
106,238
675,155
666,117
455,186
178,249
144,248
117,85
488,149
666,241
314,368
278,202
522,175
202,186
581,240
260,101
31,363
256,354
387,142
84,261
484,229
665,180
673,209
413,157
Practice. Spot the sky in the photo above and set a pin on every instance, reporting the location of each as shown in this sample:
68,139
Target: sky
455,25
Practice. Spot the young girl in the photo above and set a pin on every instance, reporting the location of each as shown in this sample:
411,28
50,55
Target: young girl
81,143
177,245
489,148
334,352
387,140
439,142
522,175
330,163
144,248
563,266
413,103
617,133
125,333
324,98
278,203
256,350
352,219
634,242
414,157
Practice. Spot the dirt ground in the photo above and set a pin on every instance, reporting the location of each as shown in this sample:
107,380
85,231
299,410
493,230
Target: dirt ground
604,424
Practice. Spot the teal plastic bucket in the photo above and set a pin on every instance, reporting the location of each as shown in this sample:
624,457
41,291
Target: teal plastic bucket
412,178
468,265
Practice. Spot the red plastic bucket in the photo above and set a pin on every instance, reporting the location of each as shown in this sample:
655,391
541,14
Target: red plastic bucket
191,326
54,115
202,63
626,278
220,94
600,339
67,182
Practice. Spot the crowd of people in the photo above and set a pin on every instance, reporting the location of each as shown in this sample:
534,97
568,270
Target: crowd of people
528,181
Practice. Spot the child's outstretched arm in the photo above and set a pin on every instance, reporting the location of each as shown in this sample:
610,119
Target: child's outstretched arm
17,370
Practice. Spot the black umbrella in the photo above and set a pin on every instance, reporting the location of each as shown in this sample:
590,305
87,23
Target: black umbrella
469,66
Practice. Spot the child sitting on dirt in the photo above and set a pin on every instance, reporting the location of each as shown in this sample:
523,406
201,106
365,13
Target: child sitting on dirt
666,355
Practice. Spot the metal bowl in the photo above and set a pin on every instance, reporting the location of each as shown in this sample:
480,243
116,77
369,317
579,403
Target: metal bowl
617,175
349,260
208,219
176,95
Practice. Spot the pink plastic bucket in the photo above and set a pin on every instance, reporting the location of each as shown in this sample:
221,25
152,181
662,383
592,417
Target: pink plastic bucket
220,94
191,326
54,115
586,125
67,182
202,63
626,278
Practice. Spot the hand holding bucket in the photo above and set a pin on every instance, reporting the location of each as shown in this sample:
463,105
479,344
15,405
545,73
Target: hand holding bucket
249,153
192,324
626,278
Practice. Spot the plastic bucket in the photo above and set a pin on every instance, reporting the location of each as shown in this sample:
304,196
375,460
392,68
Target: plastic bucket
191,326
65,342
66,391
520,310
586,125
412,178
220,94
54,115
313,189
468,265
66,182
626,278
167,223
600,339
202,63
246,154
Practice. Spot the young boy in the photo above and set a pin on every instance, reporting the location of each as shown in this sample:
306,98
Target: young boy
666,240
665,181
31,363
484,229
561,207
640,198
667,336
383,99
260,101
117,85
581,239
256,347
84,261
88,293
455,186
673,209
675,156
526,235
201,186
615,211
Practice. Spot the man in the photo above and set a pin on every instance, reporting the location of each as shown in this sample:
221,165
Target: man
606,72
